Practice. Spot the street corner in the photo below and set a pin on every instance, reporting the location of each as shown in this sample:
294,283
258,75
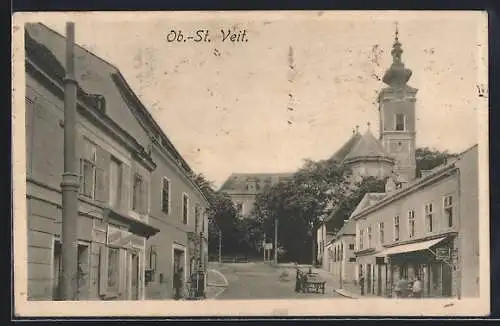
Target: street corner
216,279
217,283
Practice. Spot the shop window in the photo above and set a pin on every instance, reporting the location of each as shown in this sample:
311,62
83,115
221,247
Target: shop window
113,278
404,271
88,169
83,267
411,223
428,217
56,271
82,270
448,210
396,228
165,196
185,208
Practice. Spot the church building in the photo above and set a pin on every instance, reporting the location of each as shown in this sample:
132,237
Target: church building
390,156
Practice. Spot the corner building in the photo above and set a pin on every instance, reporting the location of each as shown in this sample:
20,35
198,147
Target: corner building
122,247
402,234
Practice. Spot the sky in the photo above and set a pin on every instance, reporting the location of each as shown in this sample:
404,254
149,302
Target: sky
225,105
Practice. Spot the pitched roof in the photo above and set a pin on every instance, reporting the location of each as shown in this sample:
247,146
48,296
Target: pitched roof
367,146
348,228
238,181
341,153
369,199
97,76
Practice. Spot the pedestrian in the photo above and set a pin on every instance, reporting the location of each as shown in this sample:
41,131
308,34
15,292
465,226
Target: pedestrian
178,283
297,280
401,288
362,283
417,288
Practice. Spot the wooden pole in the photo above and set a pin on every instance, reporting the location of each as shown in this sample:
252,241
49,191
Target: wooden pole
220,246
276,241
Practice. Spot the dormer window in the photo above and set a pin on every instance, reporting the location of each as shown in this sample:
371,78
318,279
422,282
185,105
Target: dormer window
399,122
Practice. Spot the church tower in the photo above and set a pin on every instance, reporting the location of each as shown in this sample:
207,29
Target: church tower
397,115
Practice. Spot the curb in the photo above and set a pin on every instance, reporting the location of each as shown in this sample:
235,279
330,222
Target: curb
344,294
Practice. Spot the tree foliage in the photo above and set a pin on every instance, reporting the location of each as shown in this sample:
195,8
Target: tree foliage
319,190
428,158
238,235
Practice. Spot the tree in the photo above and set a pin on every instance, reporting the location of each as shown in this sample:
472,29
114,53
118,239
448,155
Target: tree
300,204
428,158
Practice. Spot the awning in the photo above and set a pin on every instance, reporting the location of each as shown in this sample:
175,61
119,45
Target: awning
136,226
412,247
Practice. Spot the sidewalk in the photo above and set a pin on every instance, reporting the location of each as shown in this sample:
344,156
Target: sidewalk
348,289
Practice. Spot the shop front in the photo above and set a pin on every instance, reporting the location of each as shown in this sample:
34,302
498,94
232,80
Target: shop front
419,259
120,248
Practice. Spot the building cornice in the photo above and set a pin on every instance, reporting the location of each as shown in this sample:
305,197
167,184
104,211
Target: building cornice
385,159
420,239
449,170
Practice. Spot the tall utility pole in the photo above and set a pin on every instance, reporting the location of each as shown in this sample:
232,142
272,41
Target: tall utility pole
70,183
220,246
264,247
276,240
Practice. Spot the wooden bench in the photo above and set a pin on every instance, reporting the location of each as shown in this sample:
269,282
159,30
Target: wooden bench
311,282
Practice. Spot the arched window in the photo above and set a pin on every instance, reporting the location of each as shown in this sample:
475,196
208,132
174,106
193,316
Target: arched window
400,122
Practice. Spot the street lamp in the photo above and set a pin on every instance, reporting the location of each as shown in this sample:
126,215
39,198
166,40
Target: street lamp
312,242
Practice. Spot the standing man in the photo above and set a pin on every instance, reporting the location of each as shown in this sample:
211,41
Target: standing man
178,283
417,288
362,283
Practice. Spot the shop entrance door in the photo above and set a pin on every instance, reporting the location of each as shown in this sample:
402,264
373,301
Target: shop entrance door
133,281
447,277
379,280
178,263
368,279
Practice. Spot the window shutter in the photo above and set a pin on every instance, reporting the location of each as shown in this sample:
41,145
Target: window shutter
126,197
145,195
102,175
133,171
103,273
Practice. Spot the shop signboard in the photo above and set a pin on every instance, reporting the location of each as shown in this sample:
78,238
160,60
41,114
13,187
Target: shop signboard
443,254
268,246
